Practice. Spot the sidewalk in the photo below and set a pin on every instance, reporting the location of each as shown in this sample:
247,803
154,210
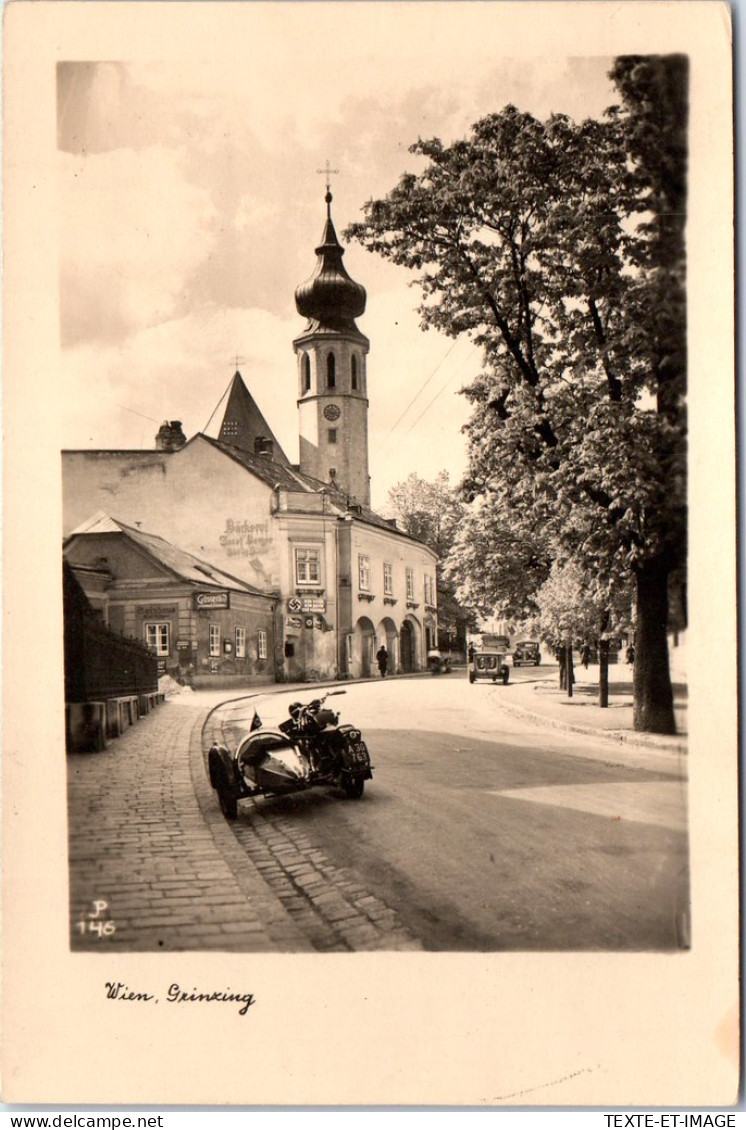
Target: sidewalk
155,867
543,702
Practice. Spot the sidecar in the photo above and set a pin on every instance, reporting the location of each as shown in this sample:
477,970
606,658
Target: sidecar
268,762
489,665
265,761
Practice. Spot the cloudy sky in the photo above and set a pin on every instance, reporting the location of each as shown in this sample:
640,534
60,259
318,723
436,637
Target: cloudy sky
190,206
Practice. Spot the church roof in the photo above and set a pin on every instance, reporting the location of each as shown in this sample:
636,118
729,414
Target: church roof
243,425
177,561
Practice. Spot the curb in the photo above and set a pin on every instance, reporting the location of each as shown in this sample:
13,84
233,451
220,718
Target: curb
672,745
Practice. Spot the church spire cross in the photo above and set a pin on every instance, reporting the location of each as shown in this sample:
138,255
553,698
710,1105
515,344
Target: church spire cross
327,171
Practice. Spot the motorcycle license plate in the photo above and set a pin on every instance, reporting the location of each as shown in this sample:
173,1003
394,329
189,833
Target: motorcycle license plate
358,753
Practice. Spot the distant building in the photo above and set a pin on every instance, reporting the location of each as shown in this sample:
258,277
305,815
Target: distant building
343,579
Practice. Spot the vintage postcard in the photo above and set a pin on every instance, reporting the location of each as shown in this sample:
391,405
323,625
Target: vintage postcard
370,649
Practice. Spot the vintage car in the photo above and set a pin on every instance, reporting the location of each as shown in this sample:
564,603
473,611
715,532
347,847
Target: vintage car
488,665
526,653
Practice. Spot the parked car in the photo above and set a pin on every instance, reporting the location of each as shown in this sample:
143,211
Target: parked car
526,653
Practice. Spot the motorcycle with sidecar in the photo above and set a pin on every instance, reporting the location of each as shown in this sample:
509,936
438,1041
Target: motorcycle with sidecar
308,750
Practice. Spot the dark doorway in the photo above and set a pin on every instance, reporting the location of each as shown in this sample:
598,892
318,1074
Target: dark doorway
406,647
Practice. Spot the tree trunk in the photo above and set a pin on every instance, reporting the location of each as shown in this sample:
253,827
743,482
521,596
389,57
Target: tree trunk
603,662
562,656
570,673
603,672
653,693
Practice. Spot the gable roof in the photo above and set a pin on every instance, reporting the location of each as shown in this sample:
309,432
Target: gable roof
185,566
243,423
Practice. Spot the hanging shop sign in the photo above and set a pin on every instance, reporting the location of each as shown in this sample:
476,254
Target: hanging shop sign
212,600
306,604
293,622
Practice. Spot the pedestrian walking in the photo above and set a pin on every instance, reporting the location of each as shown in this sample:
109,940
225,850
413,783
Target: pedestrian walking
382,658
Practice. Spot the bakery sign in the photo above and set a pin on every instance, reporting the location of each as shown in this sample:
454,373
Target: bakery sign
211,600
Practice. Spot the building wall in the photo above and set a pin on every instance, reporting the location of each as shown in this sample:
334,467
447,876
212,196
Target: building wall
196,497
310,614
377,617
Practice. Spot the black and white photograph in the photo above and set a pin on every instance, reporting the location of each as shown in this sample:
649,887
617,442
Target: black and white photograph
385,589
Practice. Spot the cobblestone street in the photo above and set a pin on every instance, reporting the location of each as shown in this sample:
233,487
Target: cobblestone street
147,839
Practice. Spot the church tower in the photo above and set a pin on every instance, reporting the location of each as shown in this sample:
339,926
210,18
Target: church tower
332,377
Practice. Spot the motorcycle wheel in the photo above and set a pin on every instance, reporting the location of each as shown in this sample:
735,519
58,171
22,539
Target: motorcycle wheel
353,787
228,802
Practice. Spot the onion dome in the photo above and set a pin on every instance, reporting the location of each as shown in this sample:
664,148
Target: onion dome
331,300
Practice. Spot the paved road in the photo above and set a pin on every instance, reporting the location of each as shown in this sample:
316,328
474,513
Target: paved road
479,831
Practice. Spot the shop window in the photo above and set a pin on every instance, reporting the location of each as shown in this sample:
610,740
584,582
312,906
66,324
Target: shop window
261,644
363,569
410,584
214,640
307,567
331,371
388,579
157,638
353,371
240,643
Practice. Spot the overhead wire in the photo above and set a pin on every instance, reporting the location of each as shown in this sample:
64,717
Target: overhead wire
420,390
441,390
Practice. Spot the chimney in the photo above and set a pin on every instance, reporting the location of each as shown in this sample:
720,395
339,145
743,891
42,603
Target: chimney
170,436
263,446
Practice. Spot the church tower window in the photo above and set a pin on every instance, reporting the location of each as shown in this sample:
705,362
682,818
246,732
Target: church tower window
331,371
353,371
306,369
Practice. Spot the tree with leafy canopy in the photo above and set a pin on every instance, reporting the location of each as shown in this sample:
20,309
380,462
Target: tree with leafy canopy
550,244
496,561
428,511
432,512
571,610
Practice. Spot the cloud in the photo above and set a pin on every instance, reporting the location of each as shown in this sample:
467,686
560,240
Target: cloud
132,230
178,369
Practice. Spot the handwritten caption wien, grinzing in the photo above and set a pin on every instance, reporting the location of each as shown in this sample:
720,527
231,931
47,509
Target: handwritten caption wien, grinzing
118,991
